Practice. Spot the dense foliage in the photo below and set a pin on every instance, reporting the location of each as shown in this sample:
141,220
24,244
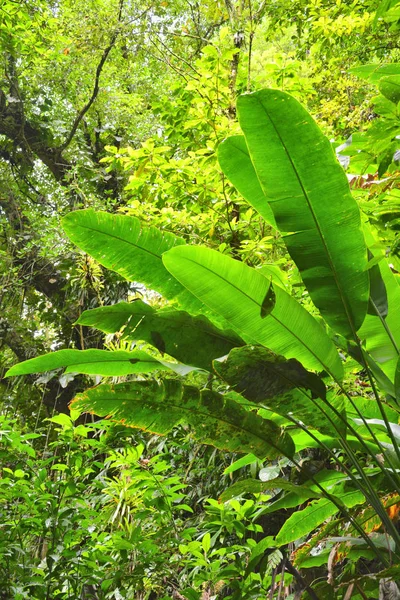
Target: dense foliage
184,254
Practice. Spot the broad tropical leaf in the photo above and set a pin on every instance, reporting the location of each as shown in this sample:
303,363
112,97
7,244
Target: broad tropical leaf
121,244
158,407
380,333
191,340
378,301
91,362
309,195
259,374
264,377
303,522
239,294
234,159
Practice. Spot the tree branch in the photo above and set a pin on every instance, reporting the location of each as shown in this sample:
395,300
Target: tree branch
95,91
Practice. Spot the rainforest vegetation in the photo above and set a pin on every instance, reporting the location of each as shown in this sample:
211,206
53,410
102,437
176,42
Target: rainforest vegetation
200,300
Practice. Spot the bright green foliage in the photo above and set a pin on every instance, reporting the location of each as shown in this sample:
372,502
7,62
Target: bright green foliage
92,362
309,195
158,407
235,161
121,244
171,331
238,293
289,388
314,514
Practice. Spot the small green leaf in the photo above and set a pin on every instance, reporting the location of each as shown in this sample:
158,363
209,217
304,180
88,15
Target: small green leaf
304,522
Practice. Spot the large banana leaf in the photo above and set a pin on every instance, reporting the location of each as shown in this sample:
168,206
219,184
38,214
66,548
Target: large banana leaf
243,297
121,244
234,159
381,332
309,195
91,362
191,340
264,377
216,420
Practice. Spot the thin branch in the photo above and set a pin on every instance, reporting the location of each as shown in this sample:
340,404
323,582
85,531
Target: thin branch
95,91
293,571
179,58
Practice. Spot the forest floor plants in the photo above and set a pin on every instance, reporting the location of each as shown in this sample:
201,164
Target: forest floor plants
272,378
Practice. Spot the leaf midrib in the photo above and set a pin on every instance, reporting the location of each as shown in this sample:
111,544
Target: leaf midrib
331,263
206,415
270,315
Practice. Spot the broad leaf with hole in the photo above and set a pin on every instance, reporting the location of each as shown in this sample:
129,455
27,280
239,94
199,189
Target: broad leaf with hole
238,292
309,195
191,340
91,362
158,407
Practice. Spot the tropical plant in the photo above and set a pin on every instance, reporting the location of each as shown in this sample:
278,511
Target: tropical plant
282,368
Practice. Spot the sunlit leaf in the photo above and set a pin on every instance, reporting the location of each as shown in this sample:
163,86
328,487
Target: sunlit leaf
308,192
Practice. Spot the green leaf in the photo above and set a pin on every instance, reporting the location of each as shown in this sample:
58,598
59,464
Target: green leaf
158,407
191,340
381,335
91,362
263,377
234,159
378,302
254,486
237,293
390,88
259,374
374,73
309,195
397,381
121,244
303,522
240,463
257,554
